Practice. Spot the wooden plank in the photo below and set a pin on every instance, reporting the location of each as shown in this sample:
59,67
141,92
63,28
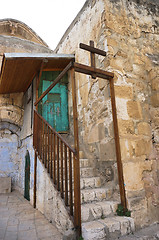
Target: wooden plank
54,158
117,146
92,55
45,149
43,142
54,83
90,71
70,183
77,194
92,49
93,59
58,166
48,151
61,188
66,177
51,154
39,77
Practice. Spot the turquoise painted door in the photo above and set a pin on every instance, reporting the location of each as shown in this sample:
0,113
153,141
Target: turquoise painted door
55,106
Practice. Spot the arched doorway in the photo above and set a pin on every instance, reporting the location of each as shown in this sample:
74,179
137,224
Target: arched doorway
27,177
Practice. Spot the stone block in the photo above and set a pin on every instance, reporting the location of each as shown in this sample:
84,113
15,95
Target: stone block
93,230
89,182
5,184
106,208
155,84
134,109
133,176
111,224
143,147
144,129
107,151
126,127
17,99
97,182
86,172
87,195
95,211
124,92
155,100
100,194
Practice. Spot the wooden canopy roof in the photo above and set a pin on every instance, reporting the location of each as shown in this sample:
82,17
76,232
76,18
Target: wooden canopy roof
19,69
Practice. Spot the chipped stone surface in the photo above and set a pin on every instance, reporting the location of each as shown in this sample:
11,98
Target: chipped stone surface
93,230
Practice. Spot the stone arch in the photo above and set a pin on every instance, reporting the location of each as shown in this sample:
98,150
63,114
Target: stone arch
15,28
9,144
13,128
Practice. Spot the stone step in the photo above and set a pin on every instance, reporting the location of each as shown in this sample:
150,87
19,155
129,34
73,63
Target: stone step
90,182
98,210
87,172
96,194
84,162
108,228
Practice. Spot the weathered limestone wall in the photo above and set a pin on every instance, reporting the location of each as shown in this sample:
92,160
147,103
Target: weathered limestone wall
128,31
49,201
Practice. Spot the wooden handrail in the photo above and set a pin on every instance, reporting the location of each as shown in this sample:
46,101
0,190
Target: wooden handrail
56,133
60,160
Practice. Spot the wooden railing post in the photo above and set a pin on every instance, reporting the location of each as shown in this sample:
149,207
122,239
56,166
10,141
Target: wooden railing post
35,157
117,146
77,194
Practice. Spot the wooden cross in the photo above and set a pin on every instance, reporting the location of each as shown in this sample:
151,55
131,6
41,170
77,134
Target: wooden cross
92,51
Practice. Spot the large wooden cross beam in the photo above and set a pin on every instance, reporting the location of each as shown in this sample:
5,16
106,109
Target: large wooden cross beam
92,51
92,70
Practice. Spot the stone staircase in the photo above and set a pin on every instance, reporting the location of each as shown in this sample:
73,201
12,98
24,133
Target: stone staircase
98,209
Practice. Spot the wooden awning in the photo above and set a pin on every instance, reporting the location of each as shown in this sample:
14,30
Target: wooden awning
19,69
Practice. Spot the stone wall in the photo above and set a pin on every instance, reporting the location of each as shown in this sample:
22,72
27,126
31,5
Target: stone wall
128,31
14,128
49,201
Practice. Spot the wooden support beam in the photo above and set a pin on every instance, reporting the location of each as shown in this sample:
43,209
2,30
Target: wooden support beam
54,82
117,146
39,77
92,49
77,194
35,159
93,65
91,70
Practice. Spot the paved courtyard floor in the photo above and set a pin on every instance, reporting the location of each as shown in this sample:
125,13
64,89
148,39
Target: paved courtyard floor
20,221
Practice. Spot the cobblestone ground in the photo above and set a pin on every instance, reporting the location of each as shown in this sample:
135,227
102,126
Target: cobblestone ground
20,221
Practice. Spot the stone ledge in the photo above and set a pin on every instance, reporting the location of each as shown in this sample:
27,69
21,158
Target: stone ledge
5,184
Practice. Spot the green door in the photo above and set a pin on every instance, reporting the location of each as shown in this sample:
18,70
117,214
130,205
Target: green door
27,177
55,104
